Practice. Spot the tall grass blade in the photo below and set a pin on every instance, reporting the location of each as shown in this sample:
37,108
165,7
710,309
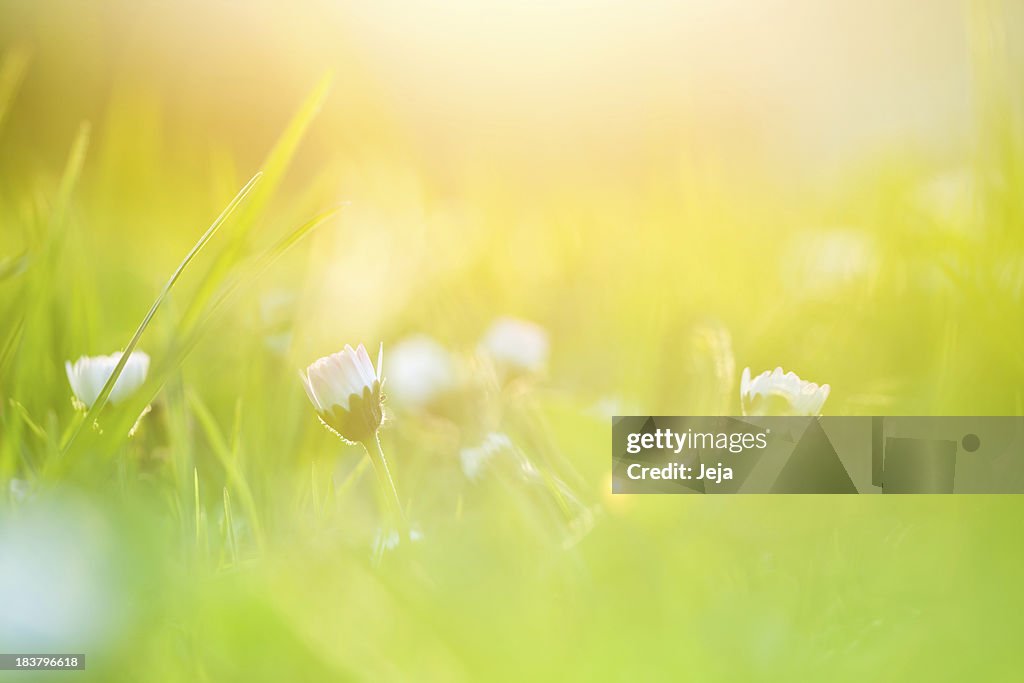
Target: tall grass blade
176,355
210,232
229,528
12,70
11,345
251,273
69,180
198,508
27,419
274,168
223,453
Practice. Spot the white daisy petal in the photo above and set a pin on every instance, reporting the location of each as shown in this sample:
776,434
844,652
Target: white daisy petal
350,368
309,390
380,361
365,366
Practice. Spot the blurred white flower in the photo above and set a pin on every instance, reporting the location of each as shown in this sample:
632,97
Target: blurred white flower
419,369
345,390
55,578
19,491
475,458
89,374
517,344
820,262
778,393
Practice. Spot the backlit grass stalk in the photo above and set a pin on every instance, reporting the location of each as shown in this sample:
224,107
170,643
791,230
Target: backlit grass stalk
274,168
109,386
248,273
12,71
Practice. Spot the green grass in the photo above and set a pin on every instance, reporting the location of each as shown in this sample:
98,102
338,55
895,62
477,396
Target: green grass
231,538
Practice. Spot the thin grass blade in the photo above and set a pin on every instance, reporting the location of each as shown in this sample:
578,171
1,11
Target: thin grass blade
274,168
210,232
12,70
176,355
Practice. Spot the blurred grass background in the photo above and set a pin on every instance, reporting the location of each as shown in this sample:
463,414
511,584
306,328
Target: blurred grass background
674,192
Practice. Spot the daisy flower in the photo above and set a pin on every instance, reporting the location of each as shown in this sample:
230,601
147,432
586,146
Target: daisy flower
89,374
778,393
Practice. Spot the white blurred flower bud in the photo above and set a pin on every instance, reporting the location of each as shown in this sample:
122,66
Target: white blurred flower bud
419,369
518,345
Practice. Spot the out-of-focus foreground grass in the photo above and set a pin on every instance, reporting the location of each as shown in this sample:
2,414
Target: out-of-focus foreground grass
231,537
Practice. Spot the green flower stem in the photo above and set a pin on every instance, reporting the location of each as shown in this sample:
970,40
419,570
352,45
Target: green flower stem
389,492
